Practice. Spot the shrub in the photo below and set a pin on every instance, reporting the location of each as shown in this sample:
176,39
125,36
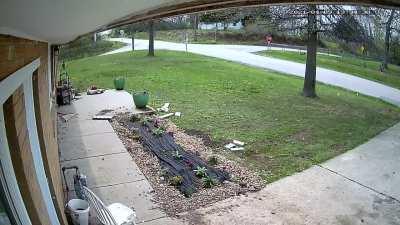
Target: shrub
176,180
209,182
200,171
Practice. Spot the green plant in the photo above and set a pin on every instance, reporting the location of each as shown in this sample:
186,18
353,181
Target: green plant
159,131
145,120
134,118
164,172
176,180
209,182
200,171
85,47
177,155
213,160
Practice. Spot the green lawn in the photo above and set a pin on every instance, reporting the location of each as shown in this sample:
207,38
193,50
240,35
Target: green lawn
285,132
363,68
207,36
85,48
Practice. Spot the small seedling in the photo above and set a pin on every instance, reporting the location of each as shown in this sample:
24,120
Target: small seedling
209,182
145,121
176,180
177,155
213,160
158,131
164,172
200,171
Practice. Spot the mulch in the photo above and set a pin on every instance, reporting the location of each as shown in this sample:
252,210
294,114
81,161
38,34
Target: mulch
170,198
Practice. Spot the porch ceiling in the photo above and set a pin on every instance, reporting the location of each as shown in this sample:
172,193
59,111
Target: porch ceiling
60,21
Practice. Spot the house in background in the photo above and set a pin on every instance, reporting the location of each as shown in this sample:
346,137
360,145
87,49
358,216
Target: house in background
30,180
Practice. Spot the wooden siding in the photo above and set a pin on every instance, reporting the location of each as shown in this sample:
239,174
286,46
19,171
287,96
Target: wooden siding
17,135
14,54
48,139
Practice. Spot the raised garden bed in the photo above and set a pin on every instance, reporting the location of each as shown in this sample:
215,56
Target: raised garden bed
185,173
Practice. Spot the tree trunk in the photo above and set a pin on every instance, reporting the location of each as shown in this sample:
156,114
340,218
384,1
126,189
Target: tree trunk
387,40
195,26
133,41
215,33
311,64
151,38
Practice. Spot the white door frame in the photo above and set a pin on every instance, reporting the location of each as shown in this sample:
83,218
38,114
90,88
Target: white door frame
8,179
7,87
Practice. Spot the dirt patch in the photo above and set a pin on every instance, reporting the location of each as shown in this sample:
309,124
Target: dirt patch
170,199
207,140
303,136
338,147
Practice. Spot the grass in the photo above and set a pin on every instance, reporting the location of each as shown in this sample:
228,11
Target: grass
204,37
85,48
223,37
285,132
359,67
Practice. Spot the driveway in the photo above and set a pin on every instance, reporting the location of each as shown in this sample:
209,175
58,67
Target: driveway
244,54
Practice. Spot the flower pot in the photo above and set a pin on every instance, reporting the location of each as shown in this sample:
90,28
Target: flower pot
141,98
119,83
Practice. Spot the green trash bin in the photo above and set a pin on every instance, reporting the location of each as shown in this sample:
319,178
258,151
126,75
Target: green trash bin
141,98
119,83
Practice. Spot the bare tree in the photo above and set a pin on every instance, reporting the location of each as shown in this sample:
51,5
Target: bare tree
311,63
133,41
131,29
388,34
151,38
382,25
195,24
310,21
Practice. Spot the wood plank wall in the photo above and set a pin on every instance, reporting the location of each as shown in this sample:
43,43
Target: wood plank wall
17,135
14,54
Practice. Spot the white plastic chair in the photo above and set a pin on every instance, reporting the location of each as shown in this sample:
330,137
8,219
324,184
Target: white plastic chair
114,214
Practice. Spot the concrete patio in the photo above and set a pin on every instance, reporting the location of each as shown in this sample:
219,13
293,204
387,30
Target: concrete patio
93,146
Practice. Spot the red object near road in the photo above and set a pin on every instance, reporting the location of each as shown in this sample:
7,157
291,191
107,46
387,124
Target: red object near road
268,39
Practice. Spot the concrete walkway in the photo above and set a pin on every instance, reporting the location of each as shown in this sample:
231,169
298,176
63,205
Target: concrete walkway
243,54
358,187
93,146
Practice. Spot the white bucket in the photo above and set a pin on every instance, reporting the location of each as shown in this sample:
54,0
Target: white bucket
79,211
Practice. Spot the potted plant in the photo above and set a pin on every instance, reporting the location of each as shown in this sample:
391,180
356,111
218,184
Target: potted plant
119,83
141,98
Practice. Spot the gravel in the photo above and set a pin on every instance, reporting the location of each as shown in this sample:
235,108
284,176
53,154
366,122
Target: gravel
170,199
